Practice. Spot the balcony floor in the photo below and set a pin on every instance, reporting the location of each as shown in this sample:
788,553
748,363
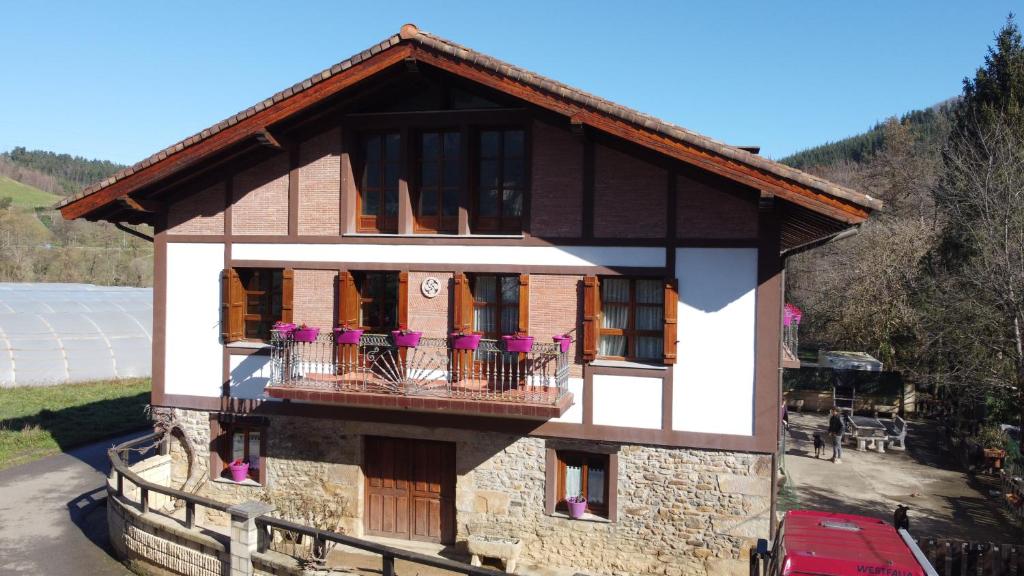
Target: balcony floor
464,397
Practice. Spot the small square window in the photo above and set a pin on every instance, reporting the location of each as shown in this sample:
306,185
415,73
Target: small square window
590,475
239,441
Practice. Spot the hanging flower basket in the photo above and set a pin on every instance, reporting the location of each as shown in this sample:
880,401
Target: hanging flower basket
239,470
462,341
564,341
346,335
518,343
577,506
284,328
306,333
406,338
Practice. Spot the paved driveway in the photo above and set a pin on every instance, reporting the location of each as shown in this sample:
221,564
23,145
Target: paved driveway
53,516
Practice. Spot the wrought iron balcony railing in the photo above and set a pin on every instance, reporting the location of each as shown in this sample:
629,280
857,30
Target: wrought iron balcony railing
432,369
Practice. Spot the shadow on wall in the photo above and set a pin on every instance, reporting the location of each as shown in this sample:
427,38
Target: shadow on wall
735,275
250,376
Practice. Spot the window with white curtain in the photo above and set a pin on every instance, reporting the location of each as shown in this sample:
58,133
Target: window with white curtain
583,474
495,304
632,318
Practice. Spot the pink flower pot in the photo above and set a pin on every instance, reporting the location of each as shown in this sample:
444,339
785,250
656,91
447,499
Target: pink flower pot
239,472
408,339
576,509
465,341
305,334
347,335
518,343
285,328
563,341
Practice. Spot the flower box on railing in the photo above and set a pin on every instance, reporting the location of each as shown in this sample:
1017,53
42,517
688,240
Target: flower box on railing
406,338
462,341
564,341
305,334
284,328
344,335
518,343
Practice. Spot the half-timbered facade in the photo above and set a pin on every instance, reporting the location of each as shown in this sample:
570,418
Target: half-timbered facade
423,187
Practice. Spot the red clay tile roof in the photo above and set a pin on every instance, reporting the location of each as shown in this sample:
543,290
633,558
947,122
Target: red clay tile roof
410,33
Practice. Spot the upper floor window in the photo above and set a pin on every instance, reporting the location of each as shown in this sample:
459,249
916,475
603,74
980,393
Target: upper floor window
440,182
632,319
495,304
378,301
501,181
253,299
378,189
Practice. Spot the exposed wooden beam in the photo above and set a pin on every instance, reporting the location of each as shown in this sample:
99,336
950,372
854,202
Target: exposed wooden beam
141,204
265,138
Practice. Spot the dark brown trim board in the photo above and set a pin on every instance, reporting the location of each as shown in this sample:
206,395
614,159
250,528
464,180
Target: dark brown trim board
159,309
443,267
293,190
470,240
518,426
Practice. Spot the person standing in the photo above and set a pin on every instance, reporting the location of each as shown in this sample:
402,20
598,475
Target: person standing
836,429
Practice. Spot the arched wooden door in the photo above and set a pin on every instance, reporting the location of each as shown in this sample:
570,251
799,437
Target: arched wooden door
410,489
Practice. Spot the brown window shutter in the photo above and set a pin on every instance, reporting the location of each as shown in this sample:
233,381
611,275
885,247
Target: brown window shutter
348,300
232,306
524,303
671,305
287,295
591,316
462,304
403,299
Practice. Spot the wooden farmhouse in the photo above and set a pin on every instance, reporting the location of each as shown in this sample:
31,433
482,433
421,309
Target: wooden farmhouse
523,293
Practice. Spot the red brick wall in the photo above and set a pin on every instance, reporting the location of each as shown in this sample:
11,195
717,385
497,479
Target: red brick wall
200,213
430,315
555,309
315,297
556,200
261,198
715,209
319,181
629,196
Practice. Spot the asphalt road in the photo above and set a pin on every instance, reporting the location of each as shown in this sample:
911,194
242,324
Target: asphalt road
53,516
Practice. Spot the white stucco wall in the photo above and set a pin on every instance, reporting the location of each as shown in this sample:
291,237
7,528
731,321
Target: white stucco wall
250,374
435,254
627,401
194,355
574,414
713,380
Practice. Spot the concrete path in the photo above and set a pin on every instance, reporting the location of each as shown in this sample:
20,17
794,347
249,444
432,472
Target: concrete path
53,516
944,501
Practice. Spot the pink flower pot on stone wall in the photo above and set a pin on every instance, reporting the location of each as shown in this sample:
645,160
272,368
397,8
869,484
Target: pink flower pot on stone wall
239,471
577,507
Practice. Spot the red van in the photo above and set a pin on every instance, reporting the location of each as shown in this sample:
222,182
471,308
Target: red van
829,544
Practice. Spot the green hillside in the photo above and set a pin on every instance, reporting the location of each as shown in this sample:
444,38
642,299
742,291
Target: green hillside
25,196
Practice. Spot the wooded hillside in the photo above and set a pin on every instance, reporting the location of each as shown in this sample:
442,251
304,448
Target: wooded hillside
40,246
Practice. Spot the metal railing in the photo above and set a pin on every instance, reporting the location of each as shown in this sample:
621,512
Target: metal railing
433,368
120,472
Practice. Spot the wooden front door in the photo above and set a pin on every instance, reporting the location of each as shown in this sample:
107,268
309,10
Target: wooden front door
410,489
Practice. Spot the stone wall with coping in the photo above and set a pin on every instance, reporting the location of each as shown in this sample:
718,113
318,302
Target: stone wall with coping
680,511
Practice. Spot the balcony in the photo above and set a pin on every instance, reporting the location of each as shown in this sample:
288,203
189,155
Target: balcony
431,377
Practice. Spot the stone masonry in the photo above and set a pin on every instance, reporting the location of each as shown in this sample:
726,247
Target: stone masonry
680,511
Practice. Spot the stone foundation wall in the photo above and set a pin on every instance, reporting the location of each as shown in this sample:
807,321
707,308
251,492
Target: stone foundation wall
680,511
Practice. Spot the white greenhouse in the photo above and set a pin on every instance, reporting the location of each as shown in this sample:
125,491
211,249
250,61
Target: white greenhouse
57,333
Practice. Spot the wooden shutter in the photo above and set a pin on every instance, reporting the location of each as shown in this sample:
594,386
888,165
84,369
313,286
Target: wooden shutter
591,316
671,305
524,303
462,304
287,295
403,300
348,300
232,306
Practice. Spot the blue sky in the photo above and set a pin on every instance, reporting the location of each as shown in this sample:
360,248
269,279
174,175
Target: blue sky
121,80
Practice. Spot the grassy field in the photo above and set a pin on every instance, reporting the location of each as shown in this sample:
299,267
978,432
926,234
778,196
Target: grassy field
25,196
39,421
